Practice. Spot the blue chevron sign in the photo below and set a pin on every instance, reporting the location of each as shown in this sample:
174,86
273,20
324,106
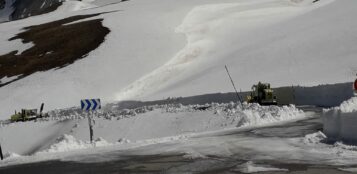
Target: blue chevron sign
90,104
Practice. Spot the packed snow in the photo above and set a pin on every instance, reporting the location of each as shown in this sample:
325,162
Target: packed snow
250,167
69,143
147,125
314,138
8,79
349,105
339,122
146,57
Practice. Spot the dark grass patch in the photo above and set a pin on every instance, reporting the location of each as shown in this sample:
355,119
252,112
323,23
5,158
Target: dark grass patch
55,46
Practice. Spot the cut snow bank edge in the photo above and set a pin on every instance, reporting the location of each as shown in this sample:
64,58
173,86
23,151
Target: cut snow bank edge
340,122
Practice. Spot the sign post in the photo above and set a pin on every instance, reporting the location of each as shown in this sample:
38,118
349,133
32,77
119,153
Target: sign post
90,105
235,89
355,86
1,156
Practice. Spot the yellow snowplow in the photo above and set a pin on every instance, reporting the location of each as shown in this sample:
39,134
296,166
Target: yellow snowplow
262,94
26,115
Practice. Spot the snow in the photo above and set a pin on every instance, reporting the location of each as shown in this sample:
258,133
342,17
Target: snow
208,43
322,95
167,121
69,143
317,141
8,79
11,155
29,137
352,170
315,138
164,123
250,167
189,140
339,122
349,105
162,48
146,57
74,5
310,149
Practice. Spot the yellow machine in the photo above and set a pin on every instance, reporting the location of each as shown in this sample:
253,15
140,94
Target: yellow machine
26,115
262,94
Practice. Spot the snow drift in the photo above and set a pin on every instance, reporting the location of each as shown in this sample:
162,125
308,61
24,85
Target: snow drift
339,122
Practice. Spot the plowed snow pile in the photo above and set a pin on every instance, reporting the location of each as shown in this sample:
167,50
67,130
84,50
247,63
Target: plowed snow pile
145,125
339,122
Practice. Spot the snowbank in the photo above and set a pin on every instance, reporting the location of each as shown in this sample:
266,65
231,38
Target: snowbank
349,106
314,138
151,122
145,125
339,122
68,142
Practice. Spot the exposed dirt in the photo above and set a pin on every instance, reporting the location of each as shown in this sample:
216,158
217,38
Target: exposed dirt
55,46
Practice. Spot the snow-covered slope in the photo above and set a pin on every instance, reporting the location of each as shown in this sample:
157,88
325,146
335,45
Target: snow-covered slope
146,56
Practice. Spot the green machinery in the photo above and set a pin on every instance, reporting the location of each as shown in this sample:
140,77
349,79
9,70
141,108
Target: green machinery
27,115
262,94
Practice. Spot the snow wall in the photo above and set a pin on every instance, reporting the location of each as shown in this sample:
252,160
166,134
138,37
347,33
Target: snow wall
321,95
340,122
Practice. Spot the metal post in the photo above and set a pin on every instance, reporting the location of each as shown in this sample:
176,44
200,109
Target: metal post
1,155
238,96
41,109
294,102
90,127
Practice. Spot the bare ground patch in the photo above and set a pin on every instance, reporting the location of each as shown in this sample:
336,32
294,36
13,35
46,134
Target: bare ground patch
55,46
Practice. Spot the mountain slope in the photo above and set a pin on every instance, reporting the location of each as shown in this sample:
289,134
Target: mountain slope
145,55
